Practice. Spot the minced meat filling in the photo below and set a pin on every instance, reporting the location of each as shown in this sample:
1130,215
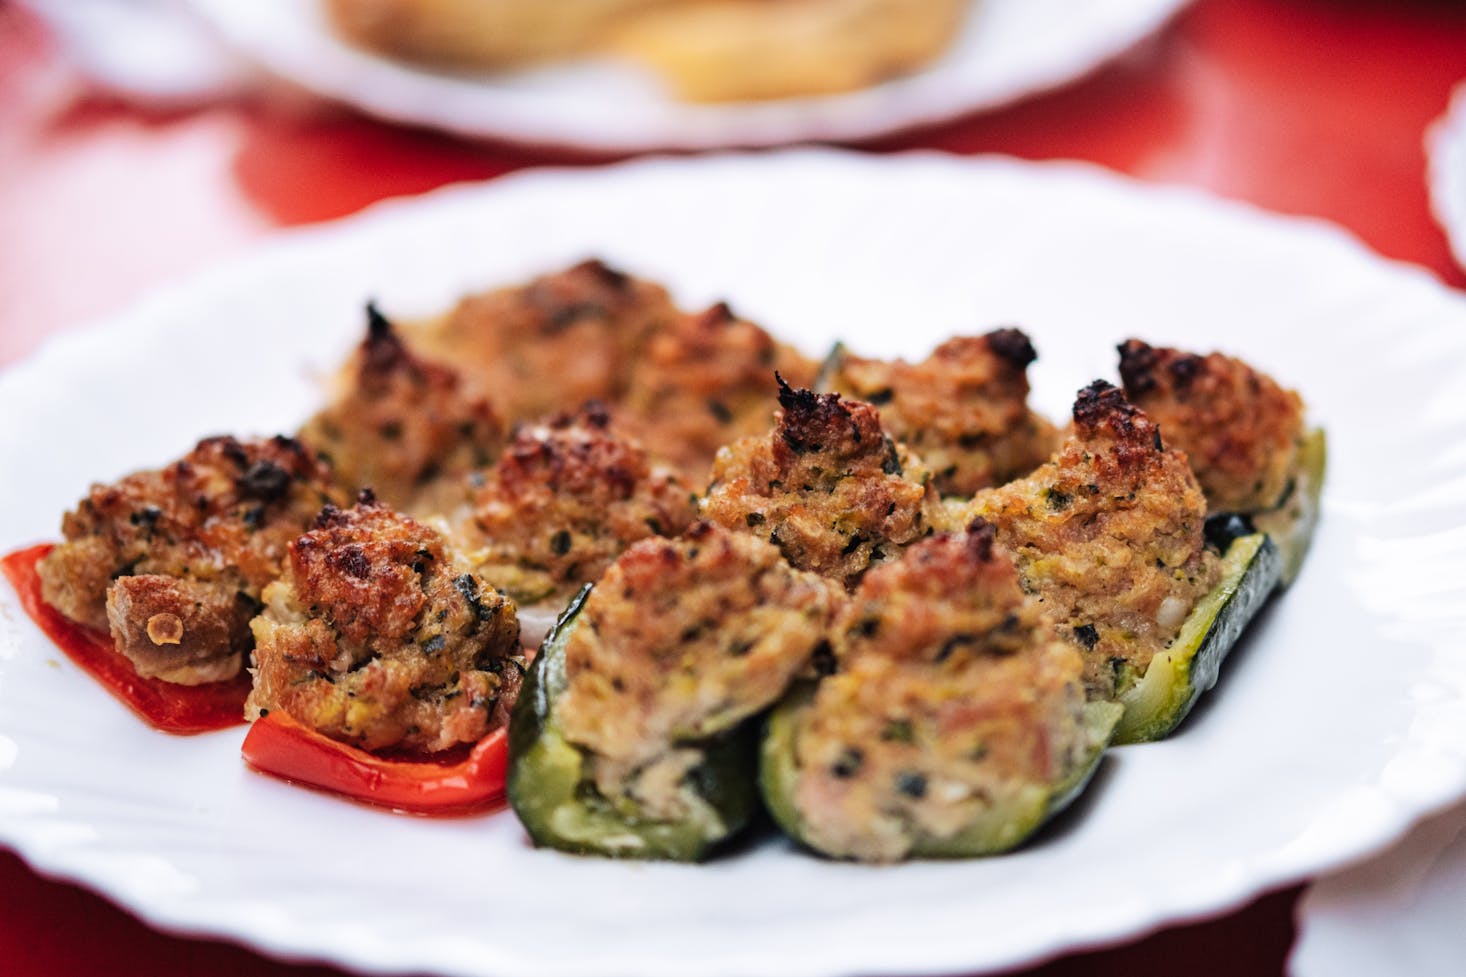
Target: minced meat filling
964,409
564,500
828,487
376,636
1239,428
679,641
703,380
953,697
173,561
398,421
551,344
1109,535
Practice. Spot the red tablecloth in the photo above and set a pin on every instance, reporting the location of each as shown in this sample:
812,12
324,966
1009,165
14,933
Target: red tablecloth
1302,106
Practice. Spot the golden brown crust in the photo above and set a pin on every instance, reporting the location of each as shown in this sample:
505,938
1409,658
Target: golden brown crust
953,693
566,498
551,344
399,421
963,409
828,487
704,380
681,640
376,637
721,50
1109,534
1239,428
216,523
476,33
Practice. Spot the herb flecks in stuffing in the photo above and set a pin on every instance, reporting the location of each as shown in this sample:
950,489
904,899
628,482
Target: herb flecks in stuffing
377,637
398,421
682,640
173,561
963,409
829,487
1124,560
566,498
954,694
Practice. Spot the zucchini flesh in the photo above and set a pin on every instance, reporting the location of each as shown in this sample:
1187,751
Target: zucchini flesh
1291,524
552,792
1177,677
1000,827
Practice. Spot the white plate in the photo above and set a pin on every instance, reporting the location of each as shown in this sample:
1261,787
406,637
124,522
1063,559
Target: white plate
1336,725
1009,49
1446,145
1399,913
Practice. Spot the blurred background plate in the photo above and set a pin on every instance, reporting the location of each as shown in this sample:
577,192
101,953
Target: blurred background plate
1338,723
1447,147
1009,49
1399,912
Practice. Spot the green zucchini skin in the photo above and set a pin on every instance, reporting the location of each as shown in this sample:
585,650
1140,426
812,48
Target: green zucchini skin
1176,678
550,789
999,829
1291,524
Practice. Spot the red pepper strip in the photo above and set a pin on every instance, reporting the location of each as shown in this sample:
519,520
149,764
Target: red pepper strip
167,706
280,745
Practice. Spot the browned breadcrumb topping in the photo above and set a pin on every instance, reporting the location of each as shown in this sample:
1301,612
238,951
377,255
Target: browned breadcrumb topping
564,500
964,409
1239,428
173,561
375,636
953,695
704,380
679,641
551,344
1109,535
828,487
398,421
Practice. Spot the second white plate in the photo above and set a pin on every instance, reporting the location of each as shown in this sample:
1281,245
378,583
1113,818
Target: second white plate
1009,49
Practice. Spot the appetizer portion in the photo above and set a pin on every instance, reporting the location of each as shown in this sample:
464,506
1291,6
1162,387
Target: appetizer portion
1243,433
964,408
632,737
705,50
476,33
173,562
739,50
397,421
829,487
703,380
551,344
566,498
1110,535
955,725
377,637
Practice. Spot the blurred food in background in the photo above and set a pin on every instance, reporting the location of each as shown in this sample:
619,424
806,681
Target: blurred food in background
704,50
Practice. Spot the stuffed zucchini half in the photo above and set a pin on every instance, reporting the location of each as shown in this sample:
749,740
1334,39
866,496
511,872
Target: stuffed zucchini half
954,725
1176,678
632,737
1112,534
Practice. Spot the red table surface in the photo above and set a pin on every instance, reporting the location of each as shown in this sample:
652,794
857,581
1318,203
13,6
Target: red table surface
1314,107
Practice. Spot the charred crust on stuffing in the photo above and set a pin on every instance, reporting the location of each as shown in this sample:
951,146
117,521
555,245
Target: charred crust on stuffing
1103,405
810,418
1014,346
1137,366
383,351
608,276
981,535
1139,362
